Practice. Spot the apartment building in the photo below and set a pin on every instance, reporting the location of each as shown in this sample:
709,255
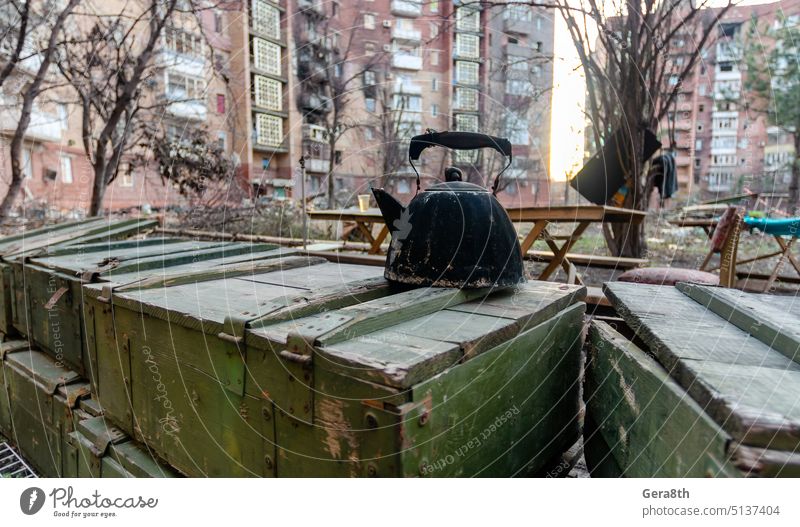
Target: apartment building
188,85
722,144
272,81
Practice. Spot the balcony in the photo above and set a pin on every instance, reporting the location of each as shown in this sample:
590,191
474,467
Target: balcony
520,27
43,126
408,88
314,133
517,50
406,62
408,35
191,65
311,6
190,110
406,8
317,165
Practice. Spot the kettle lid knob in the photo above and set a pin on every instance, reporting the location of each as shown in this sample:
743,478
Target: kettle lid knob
453,174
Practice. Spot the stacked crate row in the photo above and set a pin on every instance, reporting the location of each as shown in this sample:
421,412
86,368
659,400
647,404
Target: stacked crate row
166,357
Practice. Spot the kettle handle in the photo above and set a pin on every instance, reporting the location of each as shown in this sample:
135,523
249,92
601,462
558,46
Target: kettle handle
459,141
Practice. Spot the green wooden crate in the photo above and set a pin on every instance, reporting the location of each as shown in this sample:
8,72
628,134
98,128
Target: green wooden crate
98,449
52,282
63,234
713,400
44,401
310,371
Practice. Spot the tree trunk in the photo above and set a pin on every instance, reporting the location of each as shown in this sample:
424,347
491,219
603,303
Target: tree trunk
331,166
29,96
629,239
794,183
98,189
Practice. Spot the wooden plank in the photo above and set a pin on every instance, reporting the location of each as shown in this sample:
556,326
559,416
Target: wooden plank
576,213
770,319
592,260
703,352
343,257
650,425
765,463
506,412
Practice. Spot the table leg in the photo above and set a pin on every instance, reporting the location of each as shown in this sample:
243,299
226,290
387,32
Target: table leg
376,244
536,231
366,230
786,246
560,254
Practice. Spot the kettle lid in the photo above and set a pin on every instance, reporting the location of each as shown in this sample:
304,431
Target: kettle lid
456,186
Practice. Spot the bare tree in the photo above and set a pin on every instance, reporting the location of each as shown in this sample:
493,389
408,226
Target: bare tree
335,43
111,68
14,23
50,28
627,51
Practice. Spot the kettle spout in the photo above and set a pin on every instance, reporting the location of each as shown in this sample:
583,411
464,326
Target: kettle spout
391,209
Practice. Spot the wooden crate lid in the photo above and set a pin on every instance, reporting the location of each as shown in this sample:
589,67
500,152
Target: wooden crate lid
239,292
404,338
103,260
45,371
749,388
94,230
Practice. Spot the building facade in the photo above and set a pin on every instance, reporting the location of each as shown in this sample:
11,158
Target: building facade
344,84
723,143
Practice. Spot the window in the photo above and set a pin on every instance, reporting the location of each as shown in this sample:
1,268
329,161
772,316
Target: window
701,90
370,104
701,107
266,19
267,56
518,87
517,131
222,140
467,45
518,12
126,178
269,130
335,9
369,21
183,43
218,25
516,63
63,116
337,70
369,133
369,48
466,122
434,30
434,58
337,157
466,72
673,80
268,93
369,78
434,110
27,164
220,103
697,163
183,87
467,19
410,103
66,169
466,99
435,84
434,5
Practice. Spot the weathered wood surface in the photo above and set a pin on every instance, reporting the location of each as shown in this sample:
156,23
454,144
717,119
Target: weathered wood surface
645,421
748,388
52,297
774,320
251,375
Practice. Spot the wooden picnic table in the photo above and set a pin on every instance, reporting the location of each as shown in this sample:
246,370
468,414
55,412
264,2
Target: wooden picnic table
582,216
365,222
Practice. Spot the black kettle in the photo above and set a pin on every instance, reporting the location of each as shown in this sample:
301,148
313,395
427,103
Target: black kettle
453,234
